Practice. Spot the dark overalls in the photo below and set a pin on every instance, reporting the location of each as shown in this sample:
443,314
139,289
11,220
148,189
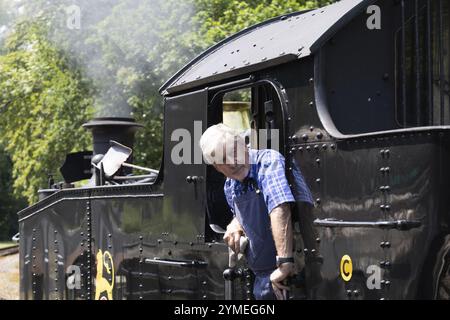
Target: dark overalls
251,212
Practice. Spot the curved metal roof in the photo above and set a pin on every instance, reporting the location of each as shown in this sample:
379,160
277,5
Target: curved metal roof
269,43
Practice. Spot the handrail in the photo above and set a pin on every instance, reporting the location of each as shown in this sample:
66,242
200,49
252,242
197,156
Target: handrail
177,263
395,224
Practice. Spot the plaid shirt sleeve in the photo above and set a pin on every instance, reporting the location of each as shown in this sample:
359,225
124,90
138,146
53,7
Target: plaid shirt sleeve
272,179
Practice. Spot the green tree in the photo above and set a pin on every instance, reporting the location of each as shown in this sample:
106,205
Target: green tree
9,204
43,103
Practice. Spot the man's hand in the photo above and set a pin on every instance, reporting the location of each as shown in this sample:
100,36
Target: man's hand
233,235
278,276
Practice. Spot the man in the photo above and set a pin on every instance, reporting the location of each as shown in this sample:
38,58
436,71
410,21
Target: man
259,196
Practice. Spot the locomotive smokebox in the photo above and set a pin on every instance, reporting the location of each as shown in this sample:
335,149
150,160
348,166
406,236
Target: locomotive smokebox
105,129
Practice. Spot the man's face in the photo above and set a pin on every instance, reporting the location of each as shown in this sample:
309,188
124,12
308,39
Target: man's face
232,169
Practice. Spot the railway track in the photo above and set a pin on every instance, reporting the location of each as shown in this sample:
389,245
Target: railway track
9,250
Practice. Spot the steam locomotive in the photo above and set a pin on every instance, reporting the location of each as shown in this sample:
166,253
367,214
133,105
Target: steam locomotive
359,93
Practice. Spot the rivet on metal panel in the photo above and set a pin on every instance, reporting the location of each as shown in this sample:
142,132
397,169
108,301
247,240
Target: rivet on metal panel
311,128
305,137
318,200
300,149
333,146
318,180
317,240
319,135
308,148
316,147
191,244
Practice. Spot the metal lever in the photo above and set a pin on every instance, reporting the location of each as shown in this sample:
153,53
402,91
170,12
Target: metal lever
230,274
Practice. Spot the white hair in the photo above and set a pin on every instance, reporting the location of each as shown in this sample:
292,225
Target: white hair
219,144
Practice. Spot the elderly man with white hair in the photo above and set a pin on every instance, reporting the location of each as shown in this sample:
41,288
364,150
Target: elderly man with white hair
259,196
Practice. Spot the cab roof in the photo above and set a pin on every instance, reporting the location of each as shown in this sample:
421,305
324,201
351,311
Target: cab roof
263,45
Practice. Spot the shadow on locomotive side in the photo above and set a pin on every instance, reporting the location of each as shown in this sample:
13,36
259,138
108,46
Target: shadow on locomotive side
358,93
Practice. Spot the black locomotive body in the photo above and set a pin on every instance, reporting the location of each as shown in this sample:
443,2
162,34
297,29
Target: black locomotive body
359,91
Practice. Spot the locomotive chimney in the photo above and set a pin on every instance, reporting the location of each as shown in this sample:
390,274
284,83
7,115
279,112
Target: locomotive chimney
105,129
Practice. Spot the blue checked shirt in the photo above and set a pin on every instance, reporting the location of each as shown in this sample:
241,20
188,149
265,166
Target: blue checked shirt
268,170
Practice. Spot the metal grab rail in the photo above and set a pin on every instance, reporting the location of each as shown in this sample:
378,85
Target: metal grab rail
395,224
176,263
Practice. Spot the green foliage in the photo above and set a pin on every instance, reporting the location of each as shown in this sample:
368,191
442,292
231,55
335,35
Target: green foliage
42,106
9,205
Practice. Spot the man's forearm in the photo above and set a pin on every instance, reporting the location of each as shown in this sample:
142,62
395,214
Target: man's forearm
280,220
